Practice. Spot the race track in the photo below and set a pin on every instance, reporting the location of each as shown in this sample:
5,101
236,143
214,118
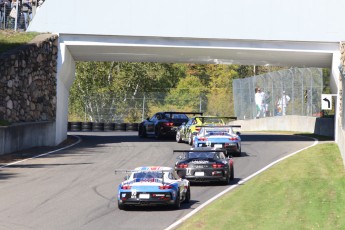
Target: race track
76,188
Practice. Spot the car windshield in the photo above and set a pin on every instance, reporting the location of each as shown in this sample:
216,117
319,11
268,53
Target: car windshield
175,116
201,154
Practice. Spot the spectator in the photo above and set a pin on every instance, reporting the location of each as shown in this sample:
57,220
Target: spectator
14,20
259,101
283,103
2,14
6,13
27,12
267,102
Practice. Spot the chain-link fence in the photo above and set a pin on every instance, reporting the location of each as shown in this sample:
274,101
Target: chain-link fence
17,14
295,91
110,108
137,106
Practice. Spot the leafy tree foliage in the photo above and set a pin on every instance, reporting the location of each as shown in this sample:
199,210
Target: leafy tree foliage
220,90
123,91
103,89
186,95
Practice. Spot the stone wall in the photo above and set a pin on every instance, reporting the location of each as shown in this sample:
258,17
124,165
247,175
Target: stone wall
28,81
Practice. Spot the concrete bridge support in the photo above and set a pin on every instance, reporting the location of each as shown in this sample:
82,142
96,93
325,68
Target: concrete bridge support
65,78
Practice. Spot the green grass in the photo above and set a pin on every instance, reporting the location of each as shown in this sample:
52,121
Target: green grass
306,191
10,39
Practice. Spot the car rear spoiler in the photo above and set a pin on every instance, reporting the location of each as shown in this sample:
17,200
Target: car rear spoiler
199,150
193,113
225,117
218,126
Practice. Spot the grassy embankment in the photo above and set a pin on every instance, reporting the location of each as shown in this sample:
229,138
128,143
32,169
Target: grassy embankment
306,191
10,39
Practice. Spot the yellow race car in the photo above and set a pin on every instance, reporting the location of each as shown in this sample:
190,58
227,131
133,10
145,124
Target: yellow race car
188,130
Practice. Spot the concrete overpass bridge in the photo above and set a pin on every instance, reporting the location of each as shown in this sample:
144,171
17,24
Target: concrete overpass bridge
250,32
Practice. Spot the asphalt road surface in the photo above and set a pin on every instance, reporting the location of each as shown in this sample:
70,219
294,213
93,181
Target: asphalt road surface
76,188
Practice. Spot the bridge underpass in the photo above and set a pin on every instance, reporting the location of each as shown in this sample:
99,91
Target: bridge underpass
230,32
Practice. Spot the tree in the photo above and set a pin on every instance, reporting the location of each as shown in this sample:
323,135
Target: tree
108,91
220,90
186,95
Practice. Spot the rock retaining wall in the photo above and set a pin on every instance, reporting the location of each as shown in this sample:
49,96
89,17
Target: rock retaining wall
28,94
28,81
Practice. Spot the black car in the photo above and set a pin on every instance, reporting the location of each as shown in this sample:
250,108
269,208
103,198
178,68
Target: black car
204,165
163,124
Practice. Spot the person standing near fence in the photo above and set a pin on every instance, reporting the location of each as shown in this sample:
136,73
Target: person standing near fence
14,14
27,12
283,103
259,101
267,102
2,14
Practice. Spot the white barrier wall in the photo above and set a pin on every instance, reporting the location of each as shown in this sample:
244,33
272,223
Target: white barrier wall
305,124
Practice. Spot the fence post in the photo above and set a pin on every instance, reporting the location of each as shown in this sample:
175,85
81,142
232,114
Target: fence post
200,103
143,114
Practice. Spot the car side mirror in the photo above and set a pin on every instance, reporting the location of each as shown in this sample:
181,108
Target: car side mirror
148,118
238,133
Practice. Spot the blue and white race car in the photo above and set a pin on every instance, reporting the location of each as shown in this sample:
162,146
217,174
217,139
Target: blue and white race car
152,185
219,137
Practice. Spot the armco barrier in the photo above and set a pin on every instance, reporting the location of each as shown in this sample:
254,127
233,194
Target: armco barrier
26,135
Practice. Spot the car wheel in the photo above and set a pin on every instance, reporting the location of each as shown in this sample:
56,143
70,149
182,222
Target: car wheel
187,199
177,203
227,180
121,206
232,175
158,134
142,131
190,139
239,152
178,137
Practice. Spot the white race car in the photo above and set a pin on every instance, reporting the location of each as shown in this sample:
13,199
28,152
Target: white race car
152,185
